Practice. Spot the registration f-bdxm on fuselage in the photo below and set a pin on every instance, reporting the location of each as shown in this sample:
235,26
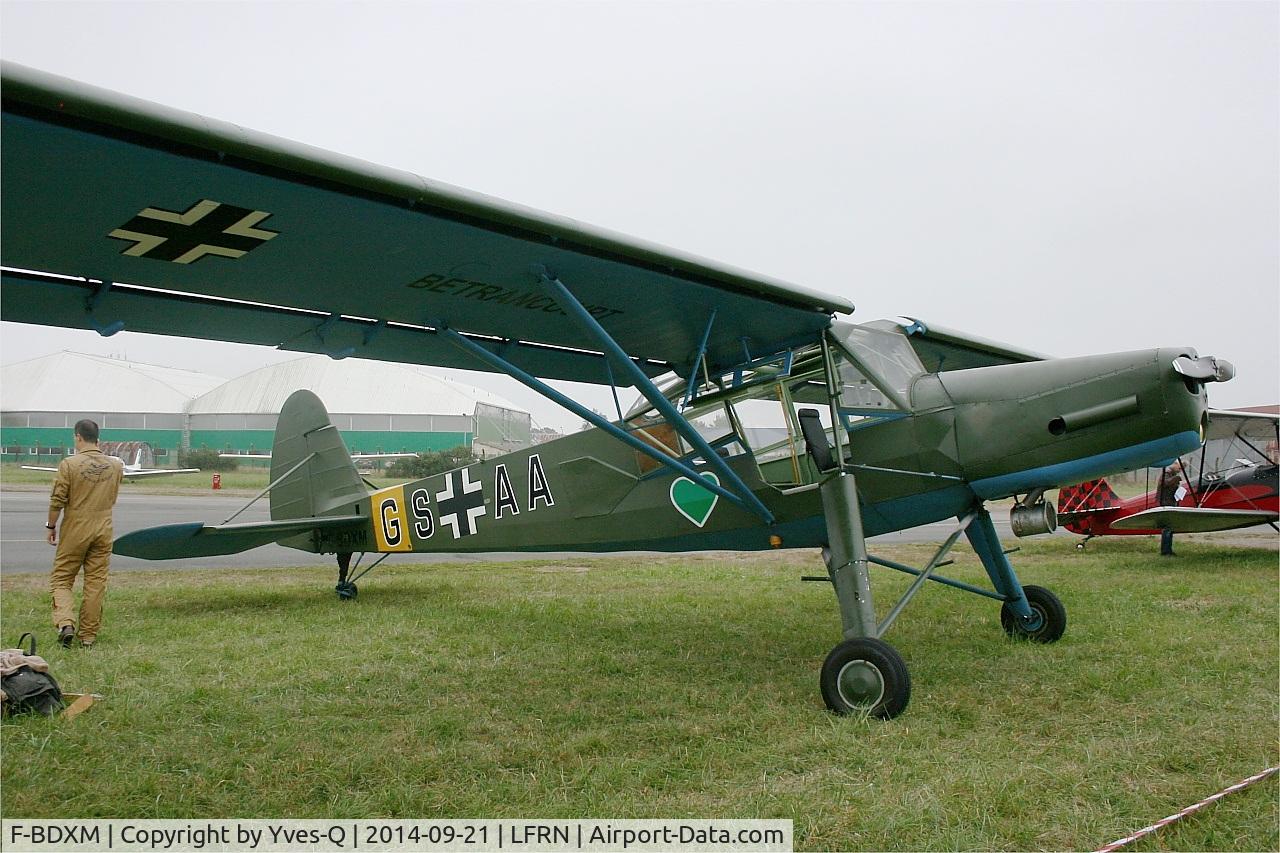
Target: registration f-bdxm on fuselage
764,420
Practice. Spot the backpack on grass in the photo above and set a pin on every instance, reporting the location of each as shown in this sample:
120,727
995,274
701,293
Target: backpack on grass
26,683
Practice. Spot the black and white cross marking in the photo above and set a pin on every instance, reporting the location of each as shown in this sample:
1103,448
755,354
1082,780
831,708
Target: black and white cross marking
206,228
460,503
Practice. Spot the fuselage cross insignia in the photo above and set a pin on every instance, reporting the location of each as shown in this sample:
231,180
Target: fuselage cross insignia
460,503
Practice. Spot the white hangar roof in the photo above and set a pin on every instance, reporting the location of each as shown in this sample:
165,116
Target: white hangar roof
75,382
348,386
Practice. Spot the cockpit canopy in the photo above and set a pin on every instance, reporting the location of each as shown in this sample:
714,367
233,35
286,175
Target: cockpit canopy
754,407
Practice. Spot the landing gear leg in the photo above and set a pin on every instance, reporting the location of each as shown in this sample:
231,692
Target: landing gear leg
863,674
1030,612
346,589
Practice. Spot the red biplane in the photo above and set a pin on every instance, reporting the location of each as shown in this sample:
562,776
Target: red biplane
1230,482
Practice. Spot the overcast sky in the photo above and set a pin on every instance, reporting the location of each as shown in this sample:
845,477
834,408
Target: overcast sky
1069,177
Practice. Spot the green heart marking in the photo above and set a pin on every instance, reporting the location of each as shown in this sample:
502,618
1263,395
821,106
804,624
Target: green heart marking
692,500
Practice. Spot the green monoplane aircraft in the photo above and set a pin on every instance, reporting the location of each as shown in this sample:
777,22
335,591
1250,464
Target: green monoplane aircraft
763,421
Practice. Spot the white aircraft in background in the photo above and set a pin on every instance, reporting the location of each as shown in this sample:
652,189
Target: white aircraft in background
131,471
355,457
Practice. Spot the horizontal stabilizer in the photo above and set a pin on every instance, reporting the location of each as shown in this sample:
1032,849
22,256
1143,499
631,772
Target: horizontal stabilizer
1190,519
193,539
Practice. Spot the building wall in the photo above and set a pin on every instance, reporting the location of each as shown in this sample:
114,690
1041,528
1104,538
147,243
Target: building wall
358,441
19,442
44,437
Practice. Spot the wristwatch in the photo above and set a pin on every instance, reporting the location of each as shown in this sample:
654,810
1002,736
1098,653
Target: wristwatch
50,527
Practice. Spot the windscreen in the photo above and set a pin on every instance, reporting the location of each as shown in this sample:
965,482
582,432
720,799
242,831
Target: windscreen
886,360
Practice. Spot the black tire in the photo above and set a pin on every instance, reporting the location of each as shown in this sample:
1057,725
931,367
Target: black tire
346,590
1053,617
865,676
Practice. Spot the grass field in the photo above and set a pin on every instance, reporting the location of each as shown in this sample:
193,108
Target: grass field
671,687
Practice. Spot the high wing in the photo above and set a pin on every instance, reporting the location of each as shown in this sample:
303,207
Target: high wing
1234,441
1252,426
942,349
1193,519
207,230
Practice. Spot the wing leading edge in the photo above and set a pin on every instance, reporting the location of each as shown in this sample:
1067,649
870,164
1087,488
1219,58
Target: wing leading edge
209,230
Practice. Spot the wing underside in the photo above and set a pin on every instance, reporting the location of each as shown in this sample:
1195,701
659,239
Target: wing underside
208,230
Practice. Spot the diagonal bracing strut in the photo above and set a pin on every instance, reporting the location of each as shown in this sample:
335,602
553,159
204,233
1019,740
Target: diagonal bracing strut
651,393
499,363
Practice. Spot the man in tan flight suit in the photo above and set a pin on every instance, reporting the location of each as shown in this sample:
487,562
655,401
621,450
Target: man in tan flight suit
85,488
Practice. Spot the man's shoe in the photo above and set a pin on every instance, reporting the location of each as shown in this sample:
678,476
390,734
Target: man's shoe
66,634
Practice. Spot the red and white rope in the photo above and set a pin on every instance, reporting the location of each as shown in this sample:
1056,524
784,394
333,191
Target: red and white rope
1189,810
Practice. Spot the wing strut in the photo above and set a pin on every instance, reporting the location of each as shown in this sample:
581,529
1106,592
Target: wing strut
500,364
651,393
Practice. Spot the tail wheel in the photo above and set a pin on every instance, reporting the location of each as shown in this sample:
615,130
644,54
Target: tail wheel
1048,617
866,676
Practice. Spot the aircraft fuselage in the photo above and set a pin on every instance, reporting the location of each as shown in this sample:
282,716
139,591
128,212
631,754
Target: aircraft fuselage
969,435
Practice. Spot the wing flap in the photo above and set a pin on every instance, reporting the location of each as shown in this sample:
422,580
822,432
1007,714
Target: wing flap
193,539
1193,519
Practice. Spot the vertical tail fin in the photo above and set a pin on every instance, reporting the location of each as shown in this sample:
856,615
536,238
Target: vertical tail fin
1090,496
326,481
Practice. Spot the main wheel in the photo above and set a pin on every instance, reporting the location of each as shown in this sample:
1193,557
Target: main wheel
346,590
866,676
1048,617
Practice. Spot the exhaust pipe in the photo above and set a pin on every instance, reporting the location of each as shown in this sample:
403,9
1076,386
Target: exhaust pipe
1033,519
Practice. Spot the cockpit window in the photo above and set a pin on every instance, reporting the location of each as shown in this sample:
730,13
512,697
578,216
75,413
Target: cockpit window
887,355
886,365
